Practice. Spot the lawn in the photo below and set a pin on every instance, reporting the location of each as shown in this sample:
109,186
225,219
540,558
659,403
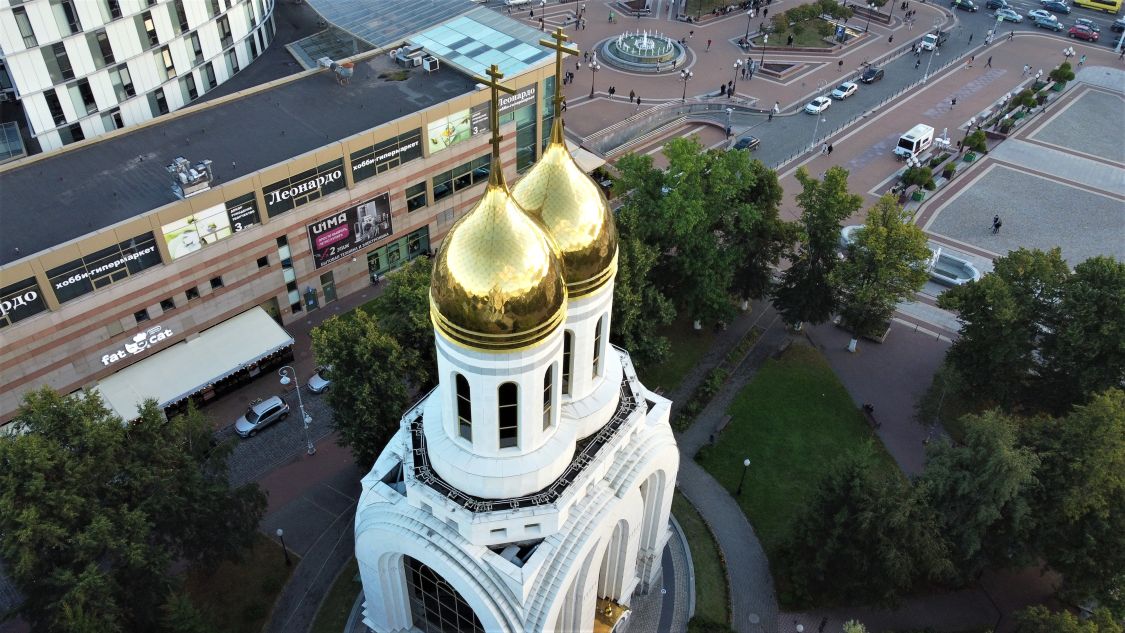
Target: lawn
807,38
792,421
711,600
688,347
237,597
337,605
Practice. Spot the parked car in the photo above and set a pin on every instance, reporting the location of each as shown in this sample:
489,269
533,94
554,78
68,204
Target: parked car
1090,24
996,4
1008,15
260,415
1047,23
930,41
872,74
844,90
965,5
1082,33
321,380
1037,14
1118,25
1056,7
818,105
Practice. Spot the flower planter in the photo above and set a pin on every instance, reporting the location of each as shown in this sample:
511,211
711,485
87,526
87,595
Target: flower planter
918,196
970,157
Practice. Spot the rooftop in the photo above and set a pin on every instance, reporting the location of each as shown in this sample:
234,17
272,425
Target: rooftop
79,191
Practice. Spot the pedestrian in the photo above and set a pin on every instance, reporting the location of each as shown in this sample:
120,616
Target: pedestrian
971,58
840,66
769,117
577,66
722,90
632,95
952,103
638,103
1081,61
996,224
1026,69
730,87
1011,34
564,105
776,107
789,42
917,63
708,45
891,39
612,90
988,64
970,38
585,56
765,12
829,149
824,149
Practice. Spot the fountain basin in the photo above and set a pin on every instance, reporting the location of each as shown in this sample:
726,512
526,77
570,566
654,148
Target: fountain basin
642,51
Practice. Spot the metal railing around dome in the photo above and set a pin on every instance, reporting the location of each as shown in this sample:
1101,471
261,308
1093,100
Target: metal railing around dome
585,454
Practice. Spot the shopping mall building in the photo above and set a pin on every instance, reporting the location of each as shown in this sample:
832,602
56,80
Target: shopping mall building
128,271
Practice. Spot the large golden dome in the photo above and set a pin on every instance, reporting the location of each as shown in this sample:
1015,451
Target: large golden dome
575,213
498,281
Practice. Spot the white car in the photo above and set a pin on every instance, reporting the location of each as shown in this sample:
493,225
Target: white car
844,90
321,380
1042,15
818,105
929,42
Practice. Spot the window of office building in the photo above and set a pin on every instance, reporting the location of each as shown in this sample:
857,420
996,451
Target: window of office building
164,60
251,19
196,49
253,48
141,316
122,83
232,62
178,15
167,304
146,29
71,133
24,25
526,138
547,109
58,63
54,106
82,97
416,196
66,16
157,102
188,88
112,120
213,8
100,49
461,177
104,267
209,74
225,35
394,254
111,9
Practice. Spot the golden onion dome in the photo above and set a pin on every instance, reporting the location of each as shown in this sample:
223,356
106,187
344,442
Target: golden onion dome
573,209
498,280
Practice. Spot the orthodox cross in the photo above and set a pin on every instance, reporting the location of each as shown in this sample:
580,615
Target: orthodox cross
560,49
494,113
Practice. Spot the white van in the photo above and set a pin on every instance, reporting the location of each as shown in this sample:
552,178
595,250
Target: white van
517,3
914,142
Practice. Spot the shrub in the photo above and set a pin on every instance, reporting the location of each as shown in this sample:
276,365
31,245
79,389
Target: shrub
920,176
949,171
1006,125
1062,74
1040,98
976,142
930,185
1026,99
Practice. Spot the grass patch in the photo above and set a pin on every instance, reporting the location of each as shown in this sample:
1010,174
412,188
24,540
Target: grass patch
792,421
237,597
807,38
711,602
688,347
337,605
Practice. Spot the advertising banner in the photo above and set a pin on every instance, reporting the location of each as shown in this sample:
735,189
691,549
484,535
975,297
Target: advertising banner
350,230
449,131
508,103
288,194
104,267
20,301
386,155
209,226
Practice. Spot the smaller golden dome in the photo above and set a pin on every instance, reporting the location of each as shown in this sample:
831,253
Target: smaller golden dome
498,280
575,213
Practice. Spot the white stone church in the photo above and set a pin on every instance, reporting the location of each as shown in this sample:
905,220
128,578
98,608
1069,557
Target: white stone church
530,490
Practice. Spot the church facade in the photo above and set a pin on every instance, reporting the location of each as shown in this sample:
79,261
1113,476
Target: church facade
531,489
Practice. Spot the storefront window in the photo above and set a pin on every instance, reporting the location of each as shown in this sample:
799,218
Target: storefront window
105,267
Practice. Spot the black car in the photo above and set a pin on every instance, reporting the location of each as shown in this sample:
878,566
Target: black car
871,75
748,143
1056,7
964,5
992,5
1118,25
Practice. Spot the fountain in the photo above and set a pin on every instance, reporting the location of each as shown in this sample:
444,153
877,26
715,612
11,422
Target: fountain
642,50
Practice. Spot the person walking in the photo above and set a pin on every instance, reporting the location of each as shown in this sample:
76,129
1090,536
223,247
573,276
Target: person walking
1082,61
917,63
988,64
952,103
769,118
708,45
632,96
996,224
1026,69
840,66
824,149
765,12
638,104
777,107
972,58
1011,34
829,149
970,38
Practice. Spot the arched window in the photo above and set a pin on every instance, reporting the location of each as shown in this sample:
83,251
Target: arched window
509,415
435,606
548,392
464,409
568,345
598,346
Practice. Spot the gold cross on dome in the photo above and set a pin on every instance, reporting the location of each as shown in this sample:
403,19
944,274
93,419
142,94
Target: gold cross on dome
560,49
494,112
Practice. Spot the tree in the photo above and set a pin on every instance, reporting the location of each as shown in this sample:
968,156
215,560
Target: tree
977,141
639,308
854,626
867,536
1084,350
93,512
369,372
1080,499
403,312
1038,619
762,237
886,263
981,491
805,293
1001,325
1062,74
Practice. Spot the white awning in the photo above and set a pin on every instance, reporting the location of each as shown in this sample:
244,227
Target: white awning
175,373
587,160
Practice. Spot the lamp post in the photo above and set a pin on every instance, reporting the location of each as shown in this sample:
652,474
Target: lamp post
685,76
737,66
594,68
870,10
741,480
730,111
762,63
1068,52
821,86
749,16
281,535
305,418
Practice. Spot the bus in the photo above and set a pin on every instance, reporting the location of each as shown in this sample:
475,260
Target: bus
1108,6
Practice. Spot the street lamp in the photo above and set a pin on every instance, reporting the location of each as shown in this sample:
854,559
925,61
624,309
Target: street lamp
737,65
306,418
730,111
821,86
870,9
749,15
1068,52
685,76
762,63
745,467
594,68
281,535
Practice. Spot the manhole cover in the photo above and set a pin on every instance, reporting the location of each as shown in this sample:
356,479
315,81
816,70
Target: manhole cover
754,619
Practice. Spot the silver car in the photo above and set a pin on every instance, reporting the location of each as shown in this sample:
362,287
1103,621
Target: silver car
321,380
260,415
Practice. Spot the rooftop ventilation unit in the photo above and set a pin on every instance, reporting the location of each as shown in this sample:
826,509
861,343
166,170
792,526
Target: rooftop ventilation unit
188,179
